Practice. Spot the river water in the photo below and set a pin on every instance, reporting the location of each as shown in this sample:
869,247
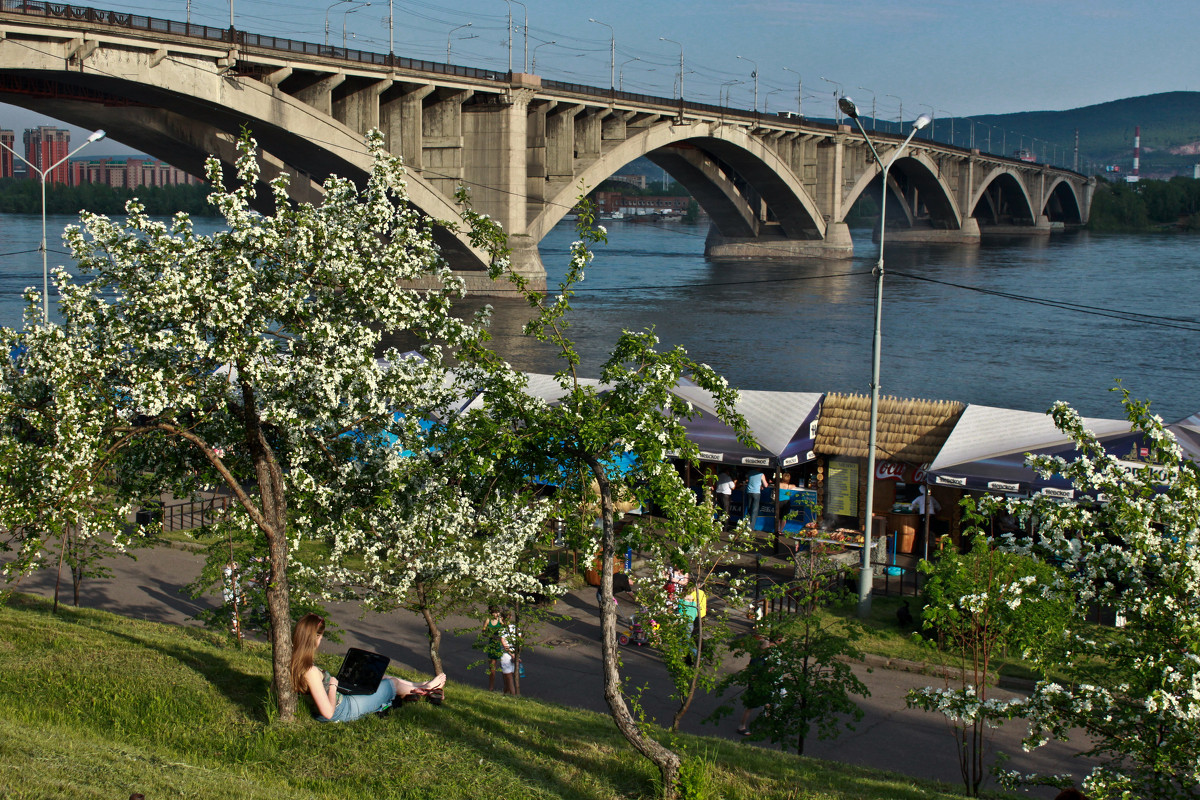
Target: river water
1017,322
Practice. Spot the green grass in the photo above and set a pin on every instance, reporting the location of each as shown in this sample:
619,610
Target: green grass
95,705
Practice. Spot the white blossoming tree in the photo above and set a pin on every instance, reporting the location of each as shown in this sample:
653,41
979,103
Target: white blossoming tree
248,360
1134,689
611,443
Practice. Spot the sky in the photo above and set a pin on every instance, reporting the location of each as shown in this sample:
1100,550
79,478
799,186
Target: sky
945,57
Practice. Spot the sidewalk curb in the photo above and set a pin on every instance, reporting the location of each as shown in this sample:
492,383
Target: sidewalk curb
934,670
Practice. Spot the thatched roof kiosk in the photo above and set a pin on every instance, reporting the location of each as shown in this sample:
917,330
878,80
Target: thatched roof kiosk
910,434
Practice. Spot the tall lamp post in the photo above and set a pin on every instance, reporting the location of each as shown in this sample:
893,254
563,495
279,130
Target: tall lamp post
612,55
43,174
535,49
672,41
799,91
450,36
899,114
349,11
838,94
866,577
865,89
754,75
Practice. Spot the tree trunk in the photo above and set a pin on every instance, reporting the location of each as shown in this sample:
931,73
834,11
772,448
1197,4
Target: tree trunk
274,513
665,759
434,633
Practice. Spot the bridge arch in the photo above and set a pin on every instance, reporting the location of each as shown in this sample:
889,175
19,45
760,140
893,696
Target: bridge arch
704,145
914,170
206,115
1005,195
1062,202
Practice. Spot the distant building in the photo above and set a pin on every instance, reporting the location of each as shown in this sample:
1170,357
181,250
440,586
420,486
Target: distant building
46,145
633,180
9,140
632,206
127,172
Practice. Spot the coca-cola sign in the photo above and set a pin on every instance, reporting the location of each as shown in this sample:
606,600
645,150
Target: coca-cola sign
900,472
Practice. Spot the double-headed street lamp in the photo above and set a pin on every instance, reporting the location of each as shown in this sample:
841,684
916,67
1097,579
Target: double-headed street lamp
44,174
866,577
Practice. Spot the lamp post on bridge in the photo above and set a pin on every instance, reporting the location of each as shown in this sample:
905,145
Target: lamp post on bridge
767,100
621,73
838,94
866,577
799,91
332,6
672,41
754,75
865,89
525,63
349,11
450,36
726,86
899,115
612,55
43,174
533,65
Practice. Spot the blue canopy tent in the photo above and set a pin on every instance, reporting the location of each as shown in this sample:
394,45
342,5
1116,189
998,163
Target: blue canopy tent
785,426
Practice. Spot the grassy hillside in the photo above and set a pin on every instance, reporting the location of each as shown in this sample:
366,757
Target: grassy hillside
93,705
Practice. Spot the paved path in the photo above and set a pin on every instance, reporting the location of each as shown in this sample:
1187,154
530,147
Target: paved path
890,736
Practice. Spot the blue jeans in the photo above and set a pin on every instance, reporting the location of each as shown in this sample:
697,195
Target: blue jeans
353,706
752,502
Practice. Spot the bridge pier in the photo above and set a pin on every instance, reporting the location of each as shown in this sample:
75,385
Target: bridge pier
1042,227
836,244
526,261
967,234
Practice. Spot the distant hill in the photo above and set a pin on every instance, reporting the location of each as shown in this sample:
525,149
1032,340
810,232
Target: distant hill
1170,132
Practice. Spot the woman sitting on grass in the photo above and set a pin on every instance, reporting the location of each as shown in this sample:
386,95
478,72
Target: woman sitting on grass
333,706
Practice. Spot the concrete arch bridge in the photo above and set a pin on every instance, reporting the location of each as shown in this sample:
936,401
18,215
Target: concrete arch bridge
773,186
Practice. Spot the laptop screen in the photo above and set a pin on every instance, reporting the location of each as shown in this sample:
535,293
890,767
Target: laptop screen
361,671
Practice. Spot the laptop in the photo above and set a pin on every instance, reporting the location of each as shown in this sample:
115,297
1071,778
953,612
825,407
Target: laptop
361,671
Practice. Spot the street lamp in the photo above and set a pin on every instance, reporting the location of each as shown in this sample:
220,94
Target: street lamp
332,6
866,578
525,62
621,73
727,86
865,89
900,114
450,35
612,55
43,174
348,13
754,75
799,91
535,49
672,41
767,99
837,95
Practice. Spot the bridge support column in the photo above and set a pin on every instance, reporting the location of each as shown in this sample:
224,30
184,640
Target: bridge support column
967,234
526,261
1040,228
836,244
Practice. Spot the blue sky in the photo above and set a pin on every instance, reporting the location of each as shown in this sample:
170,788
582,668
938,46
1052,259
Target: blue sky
956,57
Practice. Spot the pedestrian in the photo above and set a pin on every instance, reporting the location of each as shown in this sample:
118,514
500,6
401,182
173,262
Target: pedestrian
489,641
724,491
510,658
756,481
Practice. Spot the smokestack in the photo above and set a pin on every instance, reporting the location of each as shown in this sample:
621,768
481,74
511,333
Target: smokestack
1137,149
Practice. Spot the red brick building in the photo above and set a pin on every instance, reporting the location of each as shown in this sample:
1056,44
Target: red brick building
127,173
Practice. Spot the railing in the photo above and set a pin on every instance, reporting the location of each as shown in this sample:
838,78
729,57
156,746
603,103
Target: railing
193,514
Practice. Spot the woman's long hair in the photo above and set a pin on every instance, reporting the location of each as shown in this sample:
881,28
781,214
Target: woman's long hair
304,646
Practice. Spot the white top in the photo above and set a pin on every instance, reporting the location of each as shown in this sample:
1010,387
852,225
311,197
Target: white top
724,483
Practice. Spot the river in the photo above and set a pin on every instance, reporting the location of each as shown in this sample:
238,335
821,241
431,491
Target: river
1018,322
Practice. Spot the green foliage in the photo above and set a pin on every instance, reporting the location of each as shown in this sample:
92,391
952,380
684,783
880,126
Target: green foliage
20,196
799,671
